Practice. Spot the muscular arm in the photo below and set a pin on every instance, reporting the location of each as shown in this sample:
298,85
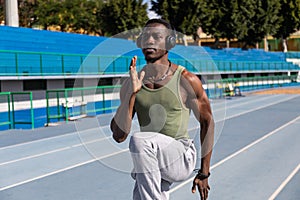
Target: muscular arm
198,102
121,123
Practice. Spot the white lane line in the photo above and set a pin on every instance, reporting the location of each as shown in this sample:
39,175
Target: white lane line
124,150
244,103
260,107
61,170
78,132
36,141
54,137
238,152
49,138
255,142
34,156
80,144
284,183
53,151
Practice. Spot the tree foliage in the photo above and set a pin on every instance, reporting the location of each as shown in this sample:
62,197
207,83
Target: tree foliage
69,15
216,18
90,16
1,10
27,16
250,21
182,14
118,16
48,13
289,18
255,19
247,20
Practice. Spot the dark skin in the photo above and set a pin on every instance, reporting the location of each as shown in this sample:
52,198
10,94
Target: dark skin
192,92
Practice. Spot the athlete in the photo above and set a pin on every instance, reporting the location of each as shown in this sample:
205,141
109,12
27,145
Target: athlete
162,95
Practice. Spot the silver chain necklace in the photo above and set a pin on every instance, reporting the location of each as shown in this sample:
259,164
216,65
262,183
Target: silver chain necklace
163,77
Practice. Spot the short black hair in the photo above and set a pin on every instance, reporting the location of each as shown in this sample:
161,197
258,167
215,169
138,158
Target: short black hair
163,22
159,21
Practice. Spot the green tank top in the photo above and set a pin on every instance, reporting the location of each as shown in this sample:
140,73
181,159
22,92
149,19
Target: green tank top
162,110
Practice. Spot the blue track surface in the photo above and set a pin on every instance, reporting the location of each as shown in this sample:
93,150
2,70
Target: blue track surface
255,156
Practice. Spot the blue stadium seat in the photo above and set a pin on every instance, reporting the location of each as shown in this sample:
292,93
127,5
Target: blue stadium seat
118,51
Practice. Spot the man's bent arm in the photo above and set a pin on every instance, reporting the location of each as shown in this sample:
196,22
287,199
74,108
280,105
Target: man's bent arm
206,134
204,115
198,101
200,105
121,123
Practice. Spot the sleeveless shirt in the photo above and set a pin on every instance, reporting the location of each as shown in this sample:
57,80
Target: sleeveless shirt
162,110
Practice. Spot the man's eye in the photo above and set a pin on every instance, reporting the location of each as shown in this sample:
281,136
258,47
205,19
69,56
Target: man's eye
157,36
145,36
154,36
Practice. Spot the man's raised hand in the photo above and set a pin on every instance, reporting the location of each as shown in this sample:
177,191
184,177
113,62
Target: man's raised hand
136,81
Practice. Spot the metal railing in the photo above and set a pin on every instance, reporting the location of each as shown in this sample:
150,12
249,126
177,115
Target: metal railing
226,87
18,63
17,109
6,109
73,103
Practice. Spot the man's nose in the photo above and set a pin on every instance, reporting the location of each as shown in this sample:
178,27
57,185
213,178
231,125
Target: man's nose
149,40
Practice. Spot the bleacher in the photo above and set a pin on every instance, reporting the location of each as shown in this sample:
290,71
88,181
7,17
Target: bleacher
51,58
26,39
234,60
25,51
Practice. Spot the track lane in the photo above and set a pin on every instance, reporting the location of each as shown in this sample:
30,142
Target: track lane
232,116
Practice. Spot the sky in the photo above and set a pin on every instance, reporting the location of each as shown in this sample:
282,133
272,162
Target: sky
151,14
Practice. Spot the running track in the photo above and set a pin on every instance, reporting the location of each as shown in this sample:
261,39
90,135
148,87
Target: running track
256,156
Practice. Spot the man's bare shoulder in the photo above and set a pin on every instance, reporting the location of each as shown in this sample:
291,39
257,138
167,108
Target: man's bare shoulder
190,77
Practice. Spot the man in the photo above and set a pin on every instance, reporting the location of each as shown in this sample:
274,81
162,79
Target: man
162,94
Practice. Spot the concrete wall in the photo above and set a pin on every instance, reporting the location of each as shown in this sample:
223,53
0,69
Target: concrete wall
55,84
93,82
11,86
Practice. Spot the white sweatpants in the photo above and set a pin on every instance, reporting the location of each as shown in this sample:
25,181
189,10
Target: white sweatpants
159,160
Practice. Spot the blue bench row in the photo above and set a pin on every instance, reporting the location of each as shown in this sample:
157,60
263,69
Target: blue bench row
20,63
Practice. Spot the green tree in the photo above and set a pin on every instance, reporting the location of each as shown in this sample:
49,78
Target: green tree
216,19
85,16
27,17
255,19
182,14
290,20
248,20
1,10
48,13
78,16
70,15
118,16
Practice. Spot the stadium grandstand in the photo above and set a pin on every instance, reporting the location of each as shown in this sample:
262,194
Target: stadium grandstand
44,68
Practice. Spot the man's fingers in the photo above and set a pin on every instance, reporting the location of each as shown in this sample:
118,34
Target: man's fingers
133,62
194,187
201,191
142,75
